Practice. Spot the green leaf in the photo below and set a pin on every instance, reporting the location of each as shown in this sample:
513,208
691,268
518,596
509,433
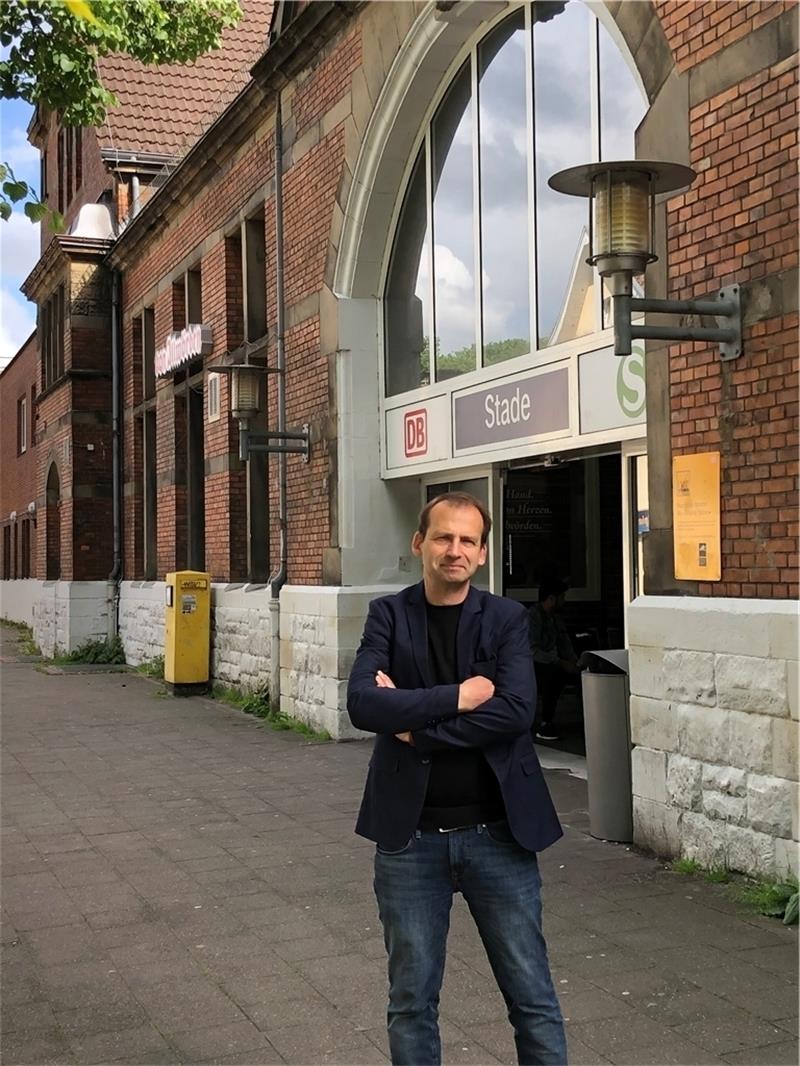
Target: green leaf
3,172
15,190
57,223
65,63
5,210
35,210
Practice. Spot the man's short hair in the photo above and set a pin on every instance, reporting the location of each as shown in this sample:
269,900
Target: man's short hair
551,586
455,499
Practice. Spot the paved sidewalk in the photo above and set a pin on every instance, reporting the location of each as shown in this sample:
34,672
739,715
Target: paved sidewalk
181,884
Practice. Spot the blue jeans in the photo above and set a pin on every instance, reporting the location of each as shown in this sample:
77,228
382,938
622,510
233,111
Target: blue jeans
500,882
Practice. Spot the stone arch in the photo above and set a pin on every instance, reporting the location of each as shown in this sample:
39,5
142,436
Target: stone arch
53,524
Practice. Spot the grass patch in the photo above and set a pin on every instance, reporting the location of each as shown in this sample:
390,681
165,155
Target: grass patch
257,704
717,875
685,866
152,668
776,899
26,645
100,652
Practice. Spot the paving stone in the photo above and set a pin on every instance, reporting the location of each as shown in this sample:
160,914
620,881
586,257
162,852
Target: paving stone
612,1039
177,1007
27,1017
783,1054
724,1036
23,1050
121,1043
209,1044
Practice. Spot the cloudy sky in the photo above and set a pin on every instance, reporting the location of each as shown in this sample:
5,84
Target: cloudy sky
19,238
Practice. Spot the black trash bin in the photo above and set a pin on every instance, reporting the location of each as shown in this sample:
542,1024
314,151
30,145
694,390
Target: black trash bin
606,720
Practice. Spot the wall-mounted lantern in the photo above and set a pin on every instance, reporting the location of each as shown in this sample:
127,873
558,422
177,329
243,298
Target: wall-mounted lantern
245,405
621,243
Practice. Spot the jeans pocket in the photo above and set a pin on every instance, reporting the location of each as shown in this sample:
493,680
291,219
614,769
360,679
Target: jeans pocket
500,833
394,851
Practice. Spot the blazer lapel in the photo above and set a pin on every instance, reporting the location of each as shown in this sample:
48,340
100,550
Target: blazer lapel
418,629
468,627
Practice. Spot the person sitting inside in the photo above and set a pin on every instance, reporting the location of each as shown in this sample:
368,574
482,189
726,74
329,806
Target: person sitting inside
554,657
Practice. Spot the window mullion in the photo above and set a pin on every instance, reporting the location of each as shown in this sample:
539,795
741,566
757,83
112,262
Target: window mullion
431,258
532,274
596,104
476,210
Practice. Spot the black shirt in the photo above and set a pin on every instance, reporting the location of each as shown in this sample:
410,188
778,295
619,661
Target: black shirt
462,788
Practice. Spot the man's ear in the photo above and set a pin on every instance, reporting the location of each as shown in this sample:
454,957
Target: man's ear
416,543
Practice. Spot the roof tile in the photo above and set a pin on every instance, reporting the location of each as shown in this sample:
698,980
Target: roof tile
165,109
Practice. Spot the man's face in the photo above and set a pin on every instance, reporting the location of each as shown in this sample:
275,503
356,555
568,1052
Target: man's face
451,549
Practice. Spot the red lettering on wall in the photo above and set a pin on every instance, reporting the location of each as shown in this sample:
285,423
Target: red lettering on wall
415,432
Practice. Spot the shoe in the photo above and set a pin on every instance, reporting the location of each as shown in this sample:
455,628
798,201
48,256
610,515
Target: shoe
547,734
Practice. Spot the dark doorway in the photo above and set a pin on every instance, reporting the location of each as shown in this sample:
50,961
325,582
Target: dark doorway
564,521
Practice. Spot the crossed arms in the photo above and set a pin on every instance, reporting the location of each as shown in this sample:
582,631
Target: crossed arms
475,714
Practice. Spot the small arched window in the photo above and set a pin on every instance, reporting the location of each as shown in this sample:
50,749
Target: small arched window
53,525
488,262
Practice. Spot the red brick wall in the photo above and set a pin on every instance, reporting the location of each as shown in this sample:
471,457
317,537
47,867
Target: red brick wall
696,31
18,469
328,82
738,224
309,196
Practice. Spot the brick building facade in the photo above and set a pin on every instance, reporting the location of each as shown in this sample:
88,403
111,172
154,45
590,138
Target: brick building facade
373,101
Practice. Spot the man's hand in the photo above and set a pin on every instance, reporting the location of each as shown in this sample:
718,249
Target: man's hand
569,666
406,738
473,692
383,680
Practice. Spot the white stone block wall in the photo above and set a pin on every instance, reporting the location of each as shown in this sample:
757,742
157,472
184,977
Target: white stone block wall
714,721
141,620
17,599
67,614
241,634
321,629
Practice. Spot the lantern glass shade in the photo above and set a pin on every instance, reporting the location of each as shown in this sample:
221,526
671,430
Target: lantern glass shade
622,195
245,390
621,214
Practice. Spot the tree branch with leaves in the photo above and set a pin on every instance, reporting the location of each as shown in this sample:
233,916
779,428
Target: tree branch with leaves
52,46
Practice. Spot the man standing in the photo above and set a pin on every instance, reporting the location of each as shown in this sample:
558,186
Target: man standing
455,798
554,657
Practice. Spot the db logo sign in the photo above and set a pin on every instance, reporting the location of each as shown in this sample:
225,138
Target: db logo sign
415,432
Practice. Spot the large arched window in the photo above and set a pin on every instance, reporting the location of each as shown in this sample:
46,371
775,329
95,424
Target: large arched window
487,262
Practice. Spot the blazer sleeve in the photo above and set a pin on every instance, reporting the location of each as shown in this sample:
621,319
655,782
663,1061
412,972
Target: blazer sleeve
390,710
508,714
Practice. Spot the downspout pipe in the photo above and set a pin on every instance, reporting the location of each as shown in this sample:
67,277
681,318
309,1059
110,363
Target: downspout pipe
115,577
279,578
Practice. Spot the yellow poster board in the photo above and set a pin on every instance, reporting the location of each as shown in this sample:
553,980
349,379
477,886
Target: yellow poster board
695,516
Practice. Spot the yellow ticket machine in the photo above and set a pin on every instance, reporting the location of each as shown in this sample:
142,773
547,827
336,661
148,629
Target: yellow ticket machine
187,632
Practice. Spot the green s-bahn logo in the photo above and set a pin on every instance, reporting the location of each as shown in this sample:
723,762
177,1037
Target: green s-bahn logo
630,383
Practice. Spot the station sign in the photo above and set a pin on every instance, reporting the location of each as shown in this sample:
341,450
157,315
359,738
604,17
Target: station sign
183,347
513,410
418,432
612,392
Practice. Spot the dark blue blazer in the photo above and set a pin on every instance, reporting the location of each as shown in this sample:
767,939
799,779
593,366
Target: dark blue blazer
492,640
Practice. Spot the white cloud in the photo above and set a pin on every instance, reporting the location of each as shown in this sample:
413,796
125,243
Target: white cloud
19,251
19,248
18,152
17,322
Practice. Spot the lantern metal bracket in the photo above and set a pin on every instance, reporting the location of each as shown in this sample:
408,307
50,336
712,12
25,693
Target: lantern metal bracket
295,442
725,308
